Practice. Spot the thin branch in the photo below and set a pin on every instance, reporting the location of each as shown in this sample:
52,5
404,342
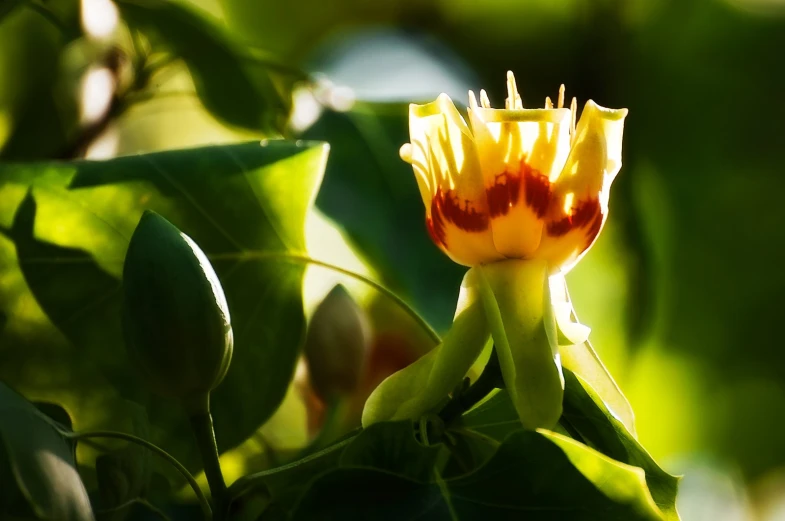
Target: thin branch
206,510
304,259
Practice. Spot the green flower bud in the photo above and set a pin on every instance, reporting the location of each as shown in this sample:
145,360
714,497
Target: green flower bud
176,319
336,345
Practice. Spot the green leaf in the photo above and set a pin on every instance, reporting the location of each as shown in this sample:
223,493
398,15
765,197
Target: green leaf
469,450
227,83
357,493
286,483
37,467
587,414
622,483
38,107
587,417
67,227
56,413
496,417
530,477
393,447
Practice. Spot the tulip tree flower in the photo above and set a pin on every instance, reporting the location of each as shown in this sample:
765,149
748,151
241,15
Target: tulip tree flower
519,196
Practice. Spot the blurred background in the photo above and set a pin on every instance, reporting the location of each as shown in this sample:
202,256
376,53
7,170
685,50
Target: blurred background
684,288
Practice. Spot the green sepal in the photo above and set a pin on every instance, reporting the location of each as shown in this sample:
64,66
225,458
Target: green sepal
423,385
579,356
516,298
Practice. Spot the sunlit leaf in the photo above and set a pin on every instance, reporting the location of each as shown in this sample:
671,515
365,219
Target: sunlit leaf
229,86
587,414
620,482
587,417
529,477
61,259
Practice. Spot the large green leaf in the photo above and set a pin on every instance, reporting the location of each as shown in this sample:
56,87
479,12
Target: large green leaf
586,413
38,106
531,476
388,446
285,484
66,228
37,467
586,418
231,86
393,447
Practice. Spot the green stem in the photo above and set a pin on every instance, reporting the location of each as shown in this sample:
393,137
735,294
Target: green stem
304,259
330,428
245,483
135,501
202,426
206,511
489,380
299,259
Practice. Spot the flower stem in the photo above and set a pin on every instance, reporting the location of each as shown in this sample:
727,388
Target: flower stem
202,427
331,427
490,379
206,511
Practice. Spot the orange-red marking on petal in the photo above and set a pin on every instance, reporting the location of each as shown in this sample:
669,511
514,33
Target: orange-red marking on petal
446,208
587,213
504,193
594,229
538,190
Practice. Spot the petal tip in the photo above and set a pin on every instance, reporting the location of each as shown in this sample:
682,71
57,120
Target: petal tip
605,112
406,152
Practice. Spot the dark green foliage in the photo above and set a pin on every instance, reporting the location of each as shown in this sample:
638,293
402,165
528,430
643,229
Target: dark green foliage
37,466
235,202
229,84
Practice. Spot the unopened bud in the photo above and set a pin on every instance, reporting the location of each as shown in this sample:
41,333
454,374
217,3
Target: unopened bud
336,345
176,318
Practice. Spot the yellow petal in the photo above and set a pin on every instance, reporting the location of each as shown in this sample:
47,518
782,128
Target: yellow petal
519,150
444,155
421,174
595,156
579,200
